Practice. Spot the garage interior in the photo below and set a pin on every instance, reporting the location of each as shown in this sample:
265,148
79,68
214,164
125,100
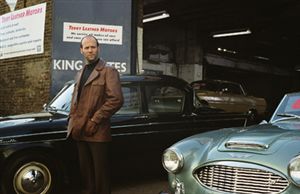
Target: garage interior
264,61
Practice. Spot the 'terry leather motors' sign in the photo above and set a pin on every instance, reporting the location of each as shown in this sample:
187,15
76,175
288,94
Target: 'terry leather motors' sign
108,21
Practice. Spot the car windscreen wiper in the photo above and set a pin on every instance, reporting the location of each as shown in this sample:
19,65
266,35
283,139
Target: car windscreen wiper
288,115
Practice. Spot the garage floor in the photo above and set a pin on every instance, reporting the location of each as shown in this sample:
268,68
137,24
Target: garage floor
145,186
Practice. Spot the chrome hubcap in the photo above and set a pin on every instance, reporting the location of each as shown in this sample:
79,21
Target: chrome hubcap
32,178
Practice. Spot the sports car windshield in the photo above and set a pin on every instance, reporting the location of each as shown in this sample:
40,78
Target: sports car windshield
289,108
62,101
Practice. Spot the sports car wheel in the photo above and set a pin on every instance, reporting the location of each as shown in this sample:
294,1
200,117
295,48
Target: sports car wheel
31,174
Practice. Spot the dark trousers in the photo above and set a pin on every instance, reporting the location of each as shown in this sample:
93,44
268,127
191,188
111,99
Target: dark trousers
94,160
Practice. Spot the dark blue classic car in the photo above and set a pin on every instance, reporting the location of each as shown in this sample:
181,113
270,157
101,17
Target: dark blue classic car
36,157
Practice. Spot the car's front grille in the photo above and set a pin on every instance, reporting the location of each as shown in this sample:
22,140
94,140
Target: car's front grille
236,177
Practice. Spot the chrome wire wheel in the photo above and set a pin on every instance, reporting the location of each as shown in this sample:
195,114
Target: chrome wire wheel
32,178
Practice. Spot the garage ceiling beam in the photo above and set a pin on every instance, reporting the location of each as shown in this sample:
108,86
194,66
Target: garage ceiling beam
217,60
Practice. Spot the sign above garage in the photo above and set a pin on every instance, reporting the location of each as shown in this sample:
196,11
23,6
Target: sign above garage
105,34
109,21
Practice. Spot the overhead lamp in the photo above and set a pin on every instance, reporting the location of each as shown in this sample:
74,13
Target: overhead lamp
231,33
226,50
263,58
155,16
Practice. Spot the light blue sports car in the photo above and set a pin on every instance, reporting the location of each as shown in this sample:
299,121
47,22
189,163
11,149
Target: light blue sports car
263,158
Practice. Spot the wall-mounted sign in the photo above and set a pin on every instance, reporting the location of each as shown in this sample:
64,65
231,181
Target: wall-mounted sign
18,35
105,34
108,21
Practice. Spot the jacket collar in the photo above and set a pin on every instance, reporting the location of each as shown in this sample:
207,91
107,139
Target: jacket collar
99,67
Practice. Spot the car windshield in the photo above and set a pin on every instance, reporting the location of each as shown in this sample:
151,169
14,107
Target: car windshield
62,101
289,108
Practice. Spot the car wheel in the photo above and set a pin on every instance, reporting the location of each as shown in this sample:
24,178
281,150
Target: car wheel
33,173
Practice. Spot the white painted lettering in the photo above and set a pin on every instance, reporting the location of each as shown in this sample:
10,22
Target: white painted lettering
76,65
121,67
69,65
59,64
56,64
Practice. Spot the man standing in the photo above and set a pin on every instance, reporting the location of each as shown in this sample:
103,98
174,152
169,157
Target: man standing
96,97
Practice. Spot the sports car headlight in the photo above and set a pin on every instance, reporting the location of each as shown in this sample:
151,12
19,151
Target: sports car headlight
172,160
294,170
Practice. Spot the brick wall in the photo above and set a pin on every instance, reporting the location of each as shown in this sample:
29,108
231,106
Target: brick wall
25,81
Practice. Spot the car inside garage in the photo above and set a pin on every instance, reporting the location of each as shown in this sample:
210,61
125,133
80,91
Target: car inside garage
253,43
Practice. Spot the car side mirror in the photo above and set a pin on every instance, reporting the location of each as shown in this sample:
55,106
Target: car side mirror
44,106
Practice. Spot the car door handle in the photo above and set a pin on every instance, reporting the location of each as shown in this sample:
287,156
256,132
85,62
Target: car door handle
141,117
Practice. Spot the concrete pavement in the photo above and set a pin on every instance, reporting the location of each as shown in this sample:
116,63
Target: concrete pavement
142,186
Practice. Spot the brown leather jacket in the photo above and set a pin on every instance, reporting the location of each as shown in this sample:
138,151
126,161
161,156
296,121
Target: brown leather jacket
100,98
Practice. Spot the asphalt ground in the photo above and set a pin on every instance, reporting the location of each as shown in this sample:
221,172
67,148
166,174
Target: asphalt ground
153,185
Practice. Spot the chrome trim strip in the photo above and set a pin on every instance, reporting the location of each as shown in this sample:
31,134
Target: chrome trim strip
246,145
33,134
151,132
23,142
241,177
166,123
137,133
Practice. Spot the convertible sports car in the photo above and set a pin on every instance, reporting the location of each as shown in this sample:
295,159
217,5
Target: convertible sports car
35,156
258,159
